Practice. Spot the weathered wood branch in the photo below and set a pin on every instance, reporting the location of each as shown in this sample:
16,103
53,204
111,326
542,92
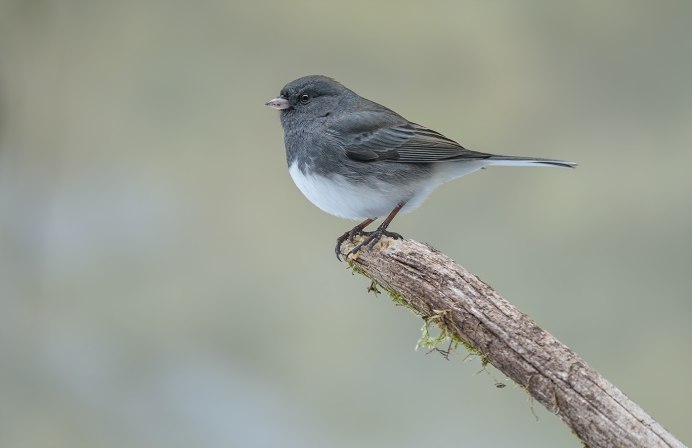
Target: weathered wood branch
437,288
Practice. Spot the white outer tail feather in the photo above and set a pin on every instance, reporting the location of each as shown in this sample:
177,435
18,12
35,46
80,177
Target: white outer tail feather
521,161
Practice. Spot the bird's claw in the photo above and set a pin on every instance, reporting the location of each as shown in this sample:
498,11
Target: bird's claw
350,235
371,238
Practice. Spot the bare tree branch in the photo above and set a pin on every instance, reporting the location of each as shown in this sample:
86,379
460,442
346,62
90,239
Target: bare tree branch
441,291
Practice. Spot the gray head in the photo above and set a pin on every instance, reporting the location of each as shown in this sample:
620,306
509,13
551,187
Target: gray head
311,97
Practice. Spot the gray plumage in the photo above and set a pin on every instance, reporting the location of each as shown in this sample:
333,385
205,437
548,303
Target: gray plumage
357,159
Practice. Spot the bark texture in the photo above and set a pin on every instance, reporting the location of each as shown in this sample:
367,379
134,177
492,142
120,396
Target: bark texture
435,287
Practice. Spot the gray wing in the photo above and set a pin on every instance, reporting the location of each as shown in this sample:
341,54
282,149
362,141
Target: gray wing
385,136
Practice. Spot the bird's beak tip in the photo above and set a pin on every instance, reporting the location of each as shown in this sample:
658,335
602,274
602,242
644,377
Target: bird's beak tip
278,103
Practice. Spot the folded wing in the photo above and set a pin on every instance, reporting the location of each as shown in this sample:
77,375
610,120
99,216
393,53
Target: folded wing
380,136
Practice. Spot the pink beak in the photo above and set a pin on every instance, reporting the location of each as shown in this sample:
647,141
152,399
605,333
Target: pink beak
278,103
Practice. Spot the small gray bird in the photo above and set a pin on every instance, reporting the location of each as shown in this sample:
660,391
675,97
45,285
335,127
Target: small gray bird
356,159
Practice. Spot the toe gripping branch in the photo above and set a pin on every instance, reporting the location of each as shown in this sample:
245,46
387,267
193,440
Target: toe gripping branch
370,238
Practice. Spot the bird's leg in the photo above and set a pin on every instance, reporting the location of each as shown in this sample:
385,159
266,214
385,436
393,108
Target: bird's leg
373,237
357,230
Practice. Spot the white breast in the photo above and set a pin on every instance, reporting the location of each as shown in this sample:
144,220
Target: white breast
340,197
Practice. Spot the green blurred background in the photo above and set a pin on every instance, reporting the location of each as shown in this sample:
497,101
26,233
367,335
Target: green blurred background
164,284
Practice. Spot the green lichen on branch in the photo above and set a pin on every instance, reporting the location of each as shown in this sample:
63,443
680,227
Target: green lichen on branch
375,287
427,340
444,337
432,342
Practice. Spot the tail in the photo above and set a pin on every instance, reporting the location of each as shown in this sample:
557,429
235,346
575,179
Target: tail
528,161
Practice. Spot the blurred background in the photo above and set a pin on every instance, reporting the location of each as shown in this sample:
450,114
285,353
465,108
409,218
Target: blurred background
164,284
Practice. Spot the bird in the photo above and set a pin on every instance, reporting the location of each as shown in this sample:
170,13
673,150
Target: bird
357,159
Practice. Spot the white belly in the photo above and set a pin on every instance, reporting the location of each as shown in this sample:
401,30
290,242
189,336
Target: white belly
337,196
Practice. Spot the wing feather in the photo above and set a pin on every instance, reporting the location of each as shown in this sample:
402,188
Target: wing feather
370,136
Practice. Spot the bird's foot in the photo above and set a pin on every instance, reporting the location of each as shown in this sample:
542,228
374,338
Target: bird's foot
371,238
351,234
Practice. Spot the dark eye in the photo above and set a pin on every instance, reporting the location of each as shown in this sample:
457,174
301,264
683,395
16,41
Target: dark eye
304,98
